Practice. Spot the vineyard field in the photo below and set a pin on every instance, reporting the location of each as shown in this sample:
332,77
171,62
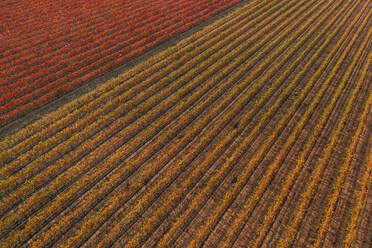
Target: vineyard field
253,130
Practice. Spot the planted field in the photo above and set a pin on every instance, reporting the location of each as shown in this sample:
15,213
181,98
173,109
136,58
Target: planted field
255,131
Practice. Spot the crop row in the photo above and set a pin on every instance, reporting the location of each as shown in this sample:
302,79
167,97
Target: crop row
203,232
310,189
165,208
219,54
29,137
44,93
344,169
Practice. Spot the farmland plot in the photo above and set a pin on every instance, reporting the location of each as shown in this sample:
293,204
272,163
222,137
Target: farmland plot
255,131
